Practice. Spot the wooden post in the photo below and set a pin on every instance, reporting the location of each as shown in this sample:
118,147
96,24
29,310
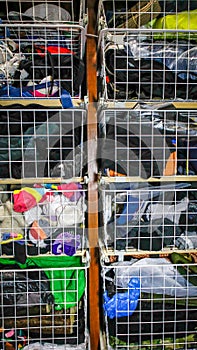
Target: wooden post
94,319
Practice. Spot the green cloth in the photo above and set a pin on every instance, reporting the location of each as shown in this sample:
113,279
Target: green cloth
188,342
182,21
188,268
67,285
167,299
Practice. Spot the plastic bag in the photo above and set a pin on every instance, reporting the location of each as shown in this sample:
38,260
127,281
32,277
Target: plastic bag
123,304
157,275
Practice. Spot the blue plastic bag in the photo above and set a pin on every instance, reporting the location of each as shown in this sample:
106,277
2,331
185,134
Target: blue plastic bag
123,304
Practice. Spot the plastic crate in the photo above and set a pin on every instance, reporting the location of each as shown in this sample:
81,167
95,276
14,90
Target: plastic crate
42,142
150,303
42,305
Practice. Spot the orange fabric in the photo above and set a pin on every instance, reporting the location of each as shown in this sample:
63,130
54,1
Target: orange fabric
37,232
113,173
170,168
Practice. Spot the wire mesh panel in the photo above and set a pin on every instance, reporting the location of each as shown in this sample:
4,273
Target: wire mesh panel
150,303
135,14
157,142
43,219
147,64
42,142
43,306
148,217
40,62
41,49
42,11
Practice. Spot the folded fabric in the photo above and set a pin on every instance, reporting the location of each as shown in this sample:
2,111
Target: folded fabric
9,219
27,198
68,190
8,237
67,243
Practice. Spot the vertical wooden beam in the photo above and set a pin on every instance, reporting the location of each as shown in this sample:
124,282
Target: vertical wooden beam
91,59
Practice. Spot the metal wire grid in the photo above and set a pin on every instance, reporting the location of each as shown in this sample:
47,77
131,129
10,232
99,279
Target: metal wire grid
45,307
45,11
135,14
150,304
151,142
148,218
41,61
43,219
147,64
38,143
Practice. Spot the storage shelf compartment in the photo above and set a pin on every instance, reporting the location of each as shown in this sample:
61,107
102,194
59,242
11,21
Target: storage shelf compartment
150,303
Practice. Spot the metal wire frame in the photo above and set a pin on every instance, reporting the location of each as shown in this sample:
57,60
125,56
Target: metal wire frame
43,219
133,14
44,306
42,61
67,11
139,218
147,65
146,142
148,307
42,143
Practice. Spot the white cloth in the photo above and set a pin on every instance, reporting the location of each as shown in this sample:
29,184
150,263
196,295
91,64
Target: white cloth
48,12
67,213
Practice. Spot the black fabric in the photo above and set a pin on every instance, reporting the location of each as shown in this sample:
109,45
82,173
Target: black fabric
134,146
68,69
188,218
16,122
187,150
17,249
169,6
144,79
152,318
142,237
18,286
